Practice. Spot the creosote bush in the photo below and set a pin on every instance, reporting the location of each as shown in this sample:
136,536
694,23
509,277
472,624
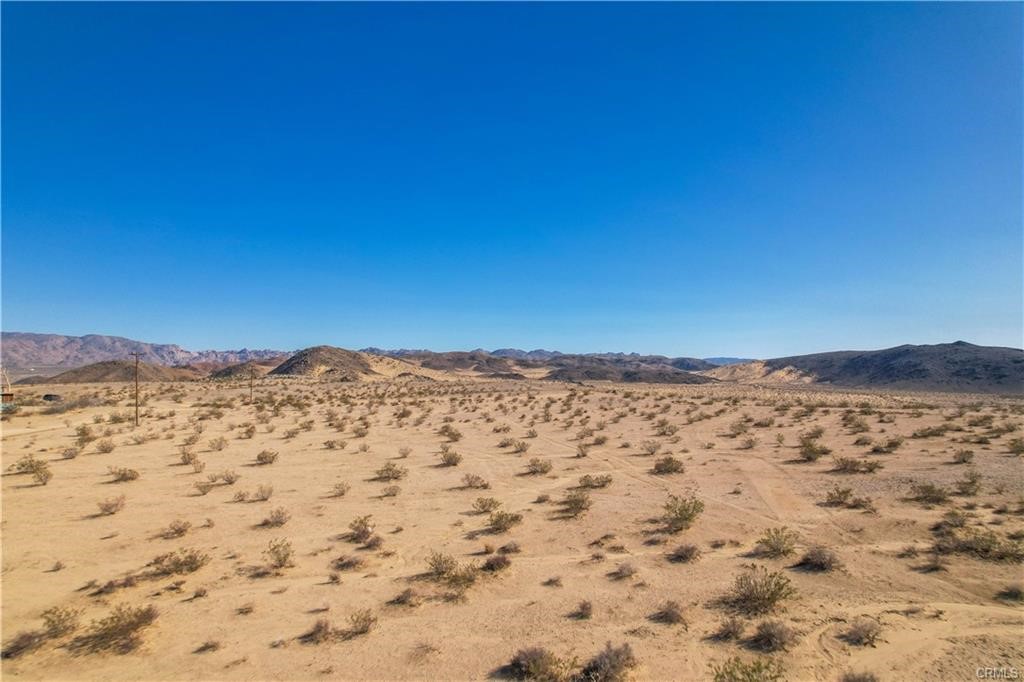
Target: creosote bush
776,542
759,591
681,512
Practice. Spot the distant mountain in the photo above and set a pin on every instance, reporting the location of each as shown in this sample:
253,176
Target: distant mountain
719,362
667,375
24,350
958,366
118,370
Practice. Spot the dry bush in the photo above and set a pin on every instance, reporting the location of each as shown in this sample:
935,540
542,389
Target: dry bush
863,632
406,597
776,542
858,677
450,458
391,472
838,497
177,529
266,457
852,465
263,493
624,570
485,505
390,491
772,636
540,665
321,632
929,493
670,613
111,505
681,512
473,481
339,489
584,610
277,518
684,554
1012,593
120,632
819,558
502,521
730,630
537,466
668,465
218,443
440,565
123,474
23,643
361,528
576,502
59,621
348,562
279,553
735,669
970,484
590,481
70,453
105,446
498,562
759,591
510,548
181,562
612,664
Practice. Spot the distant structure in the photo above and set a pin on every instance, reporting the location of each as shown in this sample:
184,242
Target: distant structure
7,396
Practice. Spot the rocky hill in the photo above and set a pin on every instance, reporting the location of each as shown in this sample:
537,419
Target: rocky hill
958,366
118,370
326,362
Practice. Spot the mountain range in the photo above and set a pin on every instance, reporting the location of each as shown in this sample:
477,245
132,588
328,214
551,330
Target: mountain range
957,366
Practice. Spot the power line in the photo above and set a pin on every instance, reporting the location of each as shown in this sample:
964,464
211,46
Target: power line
136,355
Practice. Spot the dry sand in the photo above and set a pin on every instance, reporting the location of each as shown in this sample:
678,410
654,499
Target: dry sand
934,624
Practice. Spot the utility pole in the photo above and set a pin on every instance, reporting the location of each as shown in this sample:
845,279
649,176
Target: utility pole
136,387
252,375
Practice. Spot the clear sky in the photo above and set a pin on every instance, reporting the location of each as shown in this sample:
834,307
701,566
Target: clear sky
687,179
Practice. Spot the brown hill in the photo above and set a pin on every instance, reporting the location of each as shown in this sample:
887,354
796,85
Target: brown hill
243,370
327,362
120,370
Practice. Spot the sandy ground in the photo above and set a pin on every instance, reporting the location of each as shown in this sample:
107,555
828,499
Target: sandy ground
935,625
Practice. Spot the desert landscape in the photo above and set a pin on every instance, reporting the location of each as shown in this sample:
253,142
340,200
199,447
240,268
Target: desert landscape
367,517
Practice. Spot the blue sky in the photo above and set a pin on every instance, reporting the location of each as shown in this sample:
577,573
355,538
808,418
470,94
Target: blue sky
687,179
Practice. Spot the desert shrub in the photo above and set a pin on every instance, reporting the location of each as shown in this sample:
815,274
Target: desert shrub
390,491
105,446
773,635
277,518
42,474
70,453
279,553
111,505
204,487
982,544
838,497
177,528
819,558
391,472
540,665
23,643
735,669
501,521
684,554
1016,446
963,456
929,493
668,465
777,542
451,433
440,565
218,443
889,446
670,613
228,476
462,577
863,632
263,492
584,610
321,632
612,664
498,562
181,562
852,465
537,466
650,447
576,502
120,632
335,444
485,505
731,629
361,528
476,482
759,591
532,433
450,458
811,450
407,597
521,446
59,621
590,481
266,457
348,562
681,512
122,474
970,484
510,548
623,571
361,622
339,489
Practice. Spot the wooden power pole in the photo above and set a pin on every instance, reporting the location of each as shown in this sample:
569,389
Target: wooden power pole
136,355
252,375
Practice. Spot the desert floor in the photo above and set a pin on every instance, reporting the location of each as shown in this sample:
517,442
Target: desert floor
930,575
